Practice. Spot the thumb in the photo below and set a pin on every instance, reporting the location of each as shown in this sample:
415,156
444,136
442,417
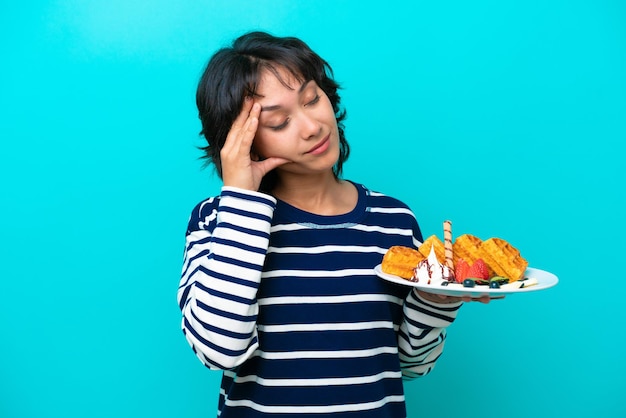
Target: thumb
271,163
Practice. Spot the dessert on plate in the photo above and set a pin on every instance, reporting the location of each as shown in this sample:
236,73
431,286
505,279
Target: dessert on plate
467,261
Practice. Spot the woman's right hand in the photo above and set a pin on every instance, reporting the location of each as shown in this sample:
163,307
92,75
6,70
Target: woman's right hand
238,167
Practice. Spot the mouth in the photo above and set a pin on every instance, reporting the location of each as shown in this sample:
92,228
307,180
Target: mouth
320,147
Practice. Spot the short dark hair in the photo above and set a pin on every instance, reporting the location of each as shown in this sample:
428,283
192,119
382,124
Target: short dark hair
233,73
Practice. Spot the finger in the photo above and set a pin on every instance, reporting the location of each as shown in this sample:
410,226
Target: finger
242,117
241,134
482,299
439,298
243,114
246,135
252,118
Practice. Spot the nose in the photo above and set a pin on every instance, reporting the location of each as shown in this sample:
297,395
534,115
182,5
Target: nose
309,126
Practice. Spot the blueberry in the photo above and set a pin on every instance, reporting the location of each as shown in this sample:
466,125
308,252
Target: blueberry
494,285
468,283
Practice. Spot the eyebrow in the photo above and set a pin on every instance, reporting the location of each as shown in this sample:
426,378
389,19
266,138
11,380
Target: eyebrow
276,107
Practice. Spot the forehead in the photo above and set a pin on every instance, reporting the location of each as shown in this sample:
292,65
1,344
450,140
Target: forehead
274,79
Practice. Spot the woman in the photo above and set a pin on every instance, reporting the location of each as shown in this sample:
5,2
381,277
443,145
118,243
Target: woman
278,288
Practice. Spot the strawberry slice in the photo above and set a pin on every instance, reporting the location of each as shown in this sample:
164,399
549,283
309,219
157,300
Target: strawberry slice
461,270
479,270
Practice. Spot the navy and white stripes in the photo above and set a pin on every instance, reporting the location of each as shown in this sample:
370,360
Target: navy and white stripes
287,304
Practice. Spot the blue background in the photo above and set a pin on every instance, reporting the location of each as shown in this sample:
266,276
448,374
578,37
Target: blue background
508,118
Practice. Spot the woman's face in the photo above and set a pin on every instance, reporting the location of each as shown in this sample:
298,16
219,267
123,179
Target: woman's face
297,122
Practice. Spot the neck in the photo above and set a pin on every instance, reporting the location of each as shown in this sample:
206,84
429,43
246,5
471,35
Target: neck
321,195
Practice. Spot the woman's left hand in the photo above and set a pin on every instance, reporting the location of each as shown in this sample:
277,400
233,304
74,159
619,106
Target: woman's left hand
438,298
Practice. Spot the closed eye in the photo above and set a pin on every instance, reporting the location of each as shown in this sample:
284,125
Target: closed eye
314,101
281,126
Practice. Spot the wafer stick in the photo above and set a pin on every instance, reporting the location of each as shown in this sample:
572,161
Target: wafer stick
447,242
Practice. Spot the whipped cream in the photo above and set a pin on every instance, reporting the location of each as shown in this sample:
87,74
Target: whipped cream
431,271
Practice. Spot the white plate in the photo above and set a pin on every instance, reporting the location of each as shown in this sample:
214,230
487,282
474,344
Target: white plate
544,279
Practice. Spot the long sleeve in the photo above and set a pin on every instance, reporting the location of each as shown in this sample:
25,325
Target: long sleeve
226,245
422,334
422,324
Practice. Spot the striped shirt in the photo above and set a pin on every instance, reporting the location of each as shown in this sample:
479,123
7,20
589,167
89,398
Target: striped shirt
287,304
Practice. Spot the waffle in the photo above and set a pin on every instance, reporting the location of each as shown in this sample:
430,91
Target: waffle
400,261
440,250
466,246
504,259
